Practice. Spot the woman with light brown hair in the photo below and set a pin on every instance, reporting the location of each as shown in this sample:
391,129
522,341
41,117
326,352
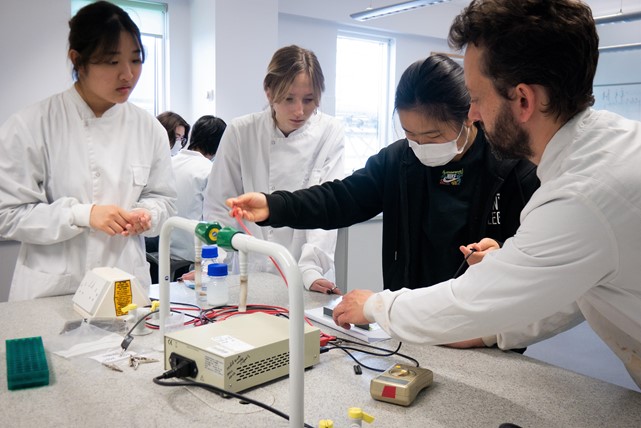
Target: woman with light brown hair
290,145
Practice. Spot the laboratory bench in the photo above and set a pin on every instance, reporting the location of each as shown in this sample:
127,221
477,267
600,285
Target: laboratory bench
471,388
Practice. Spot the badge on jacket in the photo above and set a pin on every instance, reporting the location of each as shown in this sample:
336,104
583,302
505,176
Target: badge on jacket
451,178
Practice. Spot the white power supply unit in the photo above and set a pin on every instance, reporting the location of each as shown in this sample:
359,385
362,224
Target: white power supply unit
241,352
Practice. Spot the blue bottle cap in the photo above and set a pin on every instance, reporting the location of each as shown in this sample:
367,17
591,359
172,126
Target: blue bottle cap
217,269
209,252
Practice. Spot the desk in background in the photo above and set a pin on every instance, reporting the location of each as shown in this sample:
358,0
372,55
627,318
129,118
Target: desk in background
472,388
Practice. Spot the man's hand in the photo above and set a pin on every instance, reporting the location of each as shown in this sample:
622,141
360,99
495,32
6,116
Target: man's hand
250,206
350,309
325,286
481,248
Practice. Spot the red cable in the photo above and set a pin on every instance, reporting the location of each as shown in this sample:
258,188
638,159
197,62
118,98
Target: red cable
236,213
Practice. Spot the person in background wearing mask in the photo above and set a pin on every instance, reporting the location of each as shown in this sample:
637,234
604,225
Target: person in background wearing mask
437,189
192,167
290,145
178,133
177,130
85,173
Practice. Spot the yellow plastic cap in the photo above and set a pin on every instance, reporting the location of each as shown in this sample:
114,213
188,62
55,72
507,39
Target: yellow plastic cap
130,307
358,413
326,423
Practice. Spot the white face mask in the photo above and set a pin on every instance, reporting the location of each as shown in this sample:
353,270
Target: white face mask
437,154
176,148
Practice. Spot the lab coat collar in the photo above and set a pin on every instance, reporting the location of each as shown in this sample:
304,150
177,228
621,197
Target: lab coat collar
84,110
555,151
300,131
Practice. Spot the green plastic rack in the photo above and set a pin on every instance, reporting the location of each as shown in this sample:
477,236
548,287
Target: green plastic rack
26,363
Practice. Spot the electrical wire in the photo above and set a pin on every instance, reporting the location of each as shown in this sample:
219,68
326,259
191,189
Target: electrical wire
460,268
336,344
223,393
242,225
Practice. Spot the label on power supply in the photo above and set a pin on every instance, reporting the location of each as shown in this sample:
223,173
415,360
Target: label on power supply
227,345
214,365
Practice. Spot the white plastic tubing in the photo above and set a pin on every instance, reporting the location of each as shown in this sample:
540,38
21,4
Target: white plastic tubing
289,267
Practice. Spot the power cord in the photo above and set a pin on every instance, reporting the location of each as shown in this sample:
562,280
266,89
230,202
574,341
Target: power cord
337,344
183,367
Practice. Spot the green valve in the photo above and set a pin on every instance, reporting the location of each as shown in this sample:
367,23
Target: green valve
208,232
26,363
224,238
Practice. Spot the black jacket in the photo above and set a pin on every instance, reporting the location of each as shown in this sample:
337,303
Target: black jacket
392,182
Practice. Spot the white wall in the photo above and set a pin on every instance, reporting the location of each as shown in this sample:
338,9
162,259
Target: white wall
246,38
33,48
34,51
320,37
180,57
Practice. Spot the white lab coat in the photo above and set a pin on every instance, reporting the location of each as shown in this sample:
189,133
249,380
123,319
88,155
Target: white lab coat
191,170
576,255
58,160
255,156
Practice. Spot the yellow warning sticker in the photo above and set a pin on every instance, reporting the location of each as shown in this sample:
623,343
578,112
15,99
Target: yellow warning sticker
122,295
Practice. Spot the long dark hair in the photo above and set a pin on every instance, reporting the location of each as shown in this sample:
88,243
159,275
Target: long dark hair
94,32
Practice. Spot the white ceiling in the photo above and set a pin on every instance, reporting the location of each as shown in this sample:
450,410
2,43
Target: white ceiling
431,21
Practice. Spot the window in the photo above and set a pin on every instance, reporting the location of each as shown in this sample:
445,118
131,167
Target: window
152,22
362,95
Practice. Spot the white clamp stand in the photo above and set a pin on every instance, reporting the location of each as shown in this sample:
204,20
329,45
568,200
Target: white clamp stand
289,267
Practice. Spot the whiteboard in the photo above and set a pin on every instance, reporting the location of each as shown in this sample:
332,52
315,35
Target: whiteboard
623,99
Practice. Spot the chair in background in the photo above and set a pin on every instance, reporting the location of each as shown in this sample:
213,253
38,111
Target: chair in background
177,267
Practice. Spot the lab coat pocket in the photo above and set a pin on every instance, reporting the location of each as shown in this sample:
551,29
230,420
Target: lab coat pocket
30,283
140,176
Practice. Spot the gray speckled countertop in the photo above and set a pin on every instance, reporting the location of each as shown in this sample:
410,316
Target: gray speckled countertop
472,388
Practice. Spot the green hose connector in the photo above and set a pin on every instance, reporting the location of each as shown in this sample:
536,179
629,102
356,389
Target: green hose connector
208,232
225,236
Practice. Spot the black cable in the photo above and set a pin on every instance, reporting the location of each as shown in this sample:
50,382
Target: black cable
335,344
128,337
223,393
355,359
460,268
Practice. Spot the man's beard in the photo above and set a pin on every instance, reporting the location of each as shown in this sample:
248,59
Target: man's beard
508,140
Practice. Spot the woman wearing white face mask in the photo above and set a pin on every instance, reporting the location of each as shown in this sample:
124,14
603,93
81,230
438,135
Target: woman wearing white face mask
438,189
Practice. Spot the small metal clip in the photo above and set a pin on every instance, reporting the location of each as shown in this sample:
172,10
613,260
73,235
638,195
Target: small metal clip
135,361
112,366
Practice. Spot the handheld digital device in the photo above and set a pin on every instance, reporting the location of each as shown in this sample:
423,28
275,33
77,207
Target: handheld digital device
400,384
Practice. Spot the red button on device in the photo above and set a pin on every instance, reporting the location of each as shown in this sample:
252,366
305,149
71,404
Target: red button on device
389,391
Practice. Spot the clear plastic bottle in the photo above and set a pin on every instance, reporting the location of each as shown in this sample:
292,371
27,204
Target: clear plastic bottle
217,287
209,255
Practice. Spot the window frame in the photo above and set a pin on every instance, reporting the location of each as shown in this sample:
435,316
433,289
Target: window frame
385,108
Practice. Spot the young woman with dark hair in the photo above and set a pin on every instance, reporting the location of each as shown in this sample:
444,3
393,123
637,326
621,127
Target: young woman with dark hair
85,173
